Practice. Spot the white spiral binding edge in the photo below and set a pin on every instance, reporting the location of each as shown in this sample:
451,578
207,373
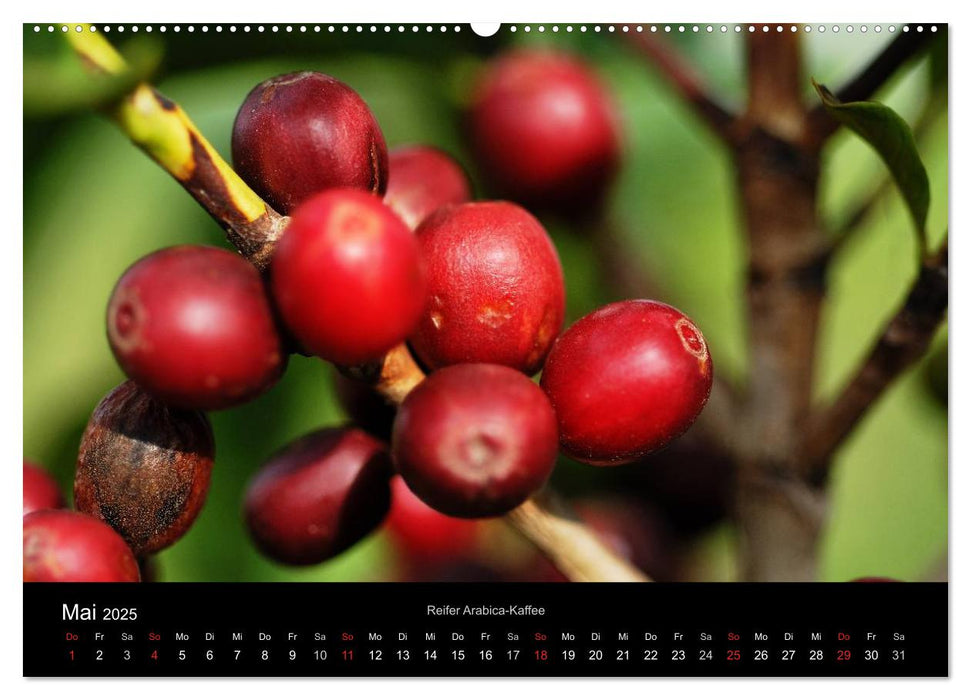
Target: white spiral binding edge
526,28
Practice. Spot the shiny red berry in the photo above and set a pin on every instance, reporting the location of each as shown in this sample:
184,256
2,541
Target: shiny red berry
41,492
475,440
425,536
319,496
544,131
495,288
144,468
347,277
302,133
193,326
626,380
422,179
63,546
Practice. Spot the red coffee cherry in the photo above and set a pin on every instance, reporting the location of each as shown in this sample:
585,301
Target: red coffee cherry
425,536
495,292
422,179
366,408
347,277
143,468
544,131
625,380
475,440
63,546
193,326
303,133
41,492
319,496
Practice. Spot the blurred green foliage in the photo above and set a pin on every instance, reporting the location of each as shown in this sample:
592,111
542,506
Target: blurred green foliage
56,82
93,204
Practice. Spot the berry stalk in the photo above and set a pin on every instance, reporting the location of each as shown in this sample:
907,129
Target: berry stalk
159,127
572,547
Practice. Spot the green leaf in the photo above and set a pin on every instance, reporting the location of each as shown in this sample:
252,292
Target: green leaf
891,137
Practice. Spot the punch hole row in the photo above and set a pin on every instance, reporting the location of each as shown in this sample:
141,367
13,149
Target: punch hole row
721,28
256,28
527,28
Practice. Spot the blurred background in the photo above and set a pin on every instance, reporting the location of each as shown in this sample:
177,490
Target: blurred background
93,204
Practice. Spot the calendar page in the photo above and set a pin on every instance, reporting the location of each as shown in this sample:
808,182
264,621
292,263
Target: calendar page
361,350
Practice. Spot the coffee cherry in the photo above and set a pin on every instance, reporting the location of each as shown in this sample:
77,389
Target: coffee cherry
626,380
496,290
144,468
425,536
544,131
63,546
347,277
422,179
319,496
475,440
193,326
366,408
303,133
41,492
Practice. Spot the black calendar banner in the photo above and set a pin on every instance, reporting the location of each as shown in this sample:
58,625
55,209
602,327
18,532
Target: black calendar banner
375,629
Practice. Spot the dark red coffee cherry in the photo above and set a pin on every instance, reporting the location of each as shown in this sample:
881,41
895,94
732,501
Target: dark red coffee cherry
347,277
319,496
423,535
303,133
144,468
366,408
475,440
421,180
41,492
626,380
495,288
544,130
193,326
63,546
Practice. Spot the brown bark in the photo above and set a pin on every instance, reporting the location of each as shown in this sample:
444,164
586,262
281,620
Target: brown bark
902,343
781,447
779,515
